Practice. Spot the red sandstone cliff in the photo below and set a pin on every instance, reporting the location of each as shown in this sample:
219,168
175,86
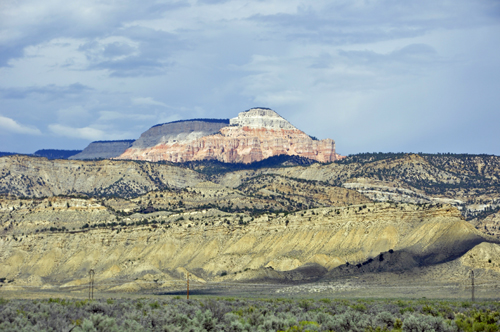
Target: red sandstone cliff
254,135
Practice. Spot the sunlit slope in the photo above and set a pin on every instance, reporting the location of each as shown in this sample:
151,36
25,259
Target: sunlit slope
468,181
38,177
209,244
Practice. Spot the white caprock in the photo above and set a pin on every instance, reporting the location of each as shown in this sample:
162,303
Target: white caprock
261,118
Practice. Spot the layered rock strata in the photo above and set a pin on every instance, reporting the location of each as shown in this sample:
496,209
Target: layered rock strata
103,150
179,132
254,135
211,243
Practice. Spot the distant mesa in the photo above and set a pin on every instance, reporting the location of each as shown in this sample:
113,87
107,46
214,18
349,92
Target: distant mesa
226,121
4,154
103,150
253,135
179,132
56,154
46,153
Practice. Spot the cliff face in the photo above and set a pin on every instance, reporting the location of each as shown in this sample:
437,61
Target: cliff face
261,118
103,150
178,132
254,135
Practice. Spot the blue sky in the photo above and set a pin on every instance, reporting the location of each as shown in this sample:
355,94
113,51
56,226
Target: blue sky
411,76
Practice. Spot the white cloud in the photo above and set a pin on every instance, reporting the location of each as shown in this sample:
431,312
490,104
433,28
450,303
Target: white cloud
12,126
105,116
93,133
82,133
147,101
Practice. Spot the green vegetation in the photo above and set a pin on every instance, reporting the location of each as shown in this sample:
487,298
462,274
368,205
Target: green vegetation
56,154
214,167
236,314
370,157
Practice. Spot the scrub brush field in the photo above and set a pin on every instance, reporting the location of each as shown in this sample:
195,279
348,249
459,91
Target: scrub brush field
240,314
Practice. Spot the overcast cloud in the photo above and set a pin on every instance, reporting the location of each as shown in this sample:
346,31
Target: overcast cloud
412,76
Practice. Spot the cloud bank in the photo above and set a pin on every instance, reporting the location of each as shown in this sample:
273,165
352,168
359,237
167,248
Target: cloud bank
11,126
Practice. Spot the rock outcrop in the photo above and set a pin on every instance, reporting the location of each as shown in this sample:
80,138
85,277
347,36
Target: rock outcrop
103,150
261,118
409,178
254,135
212,243
180,132
489,225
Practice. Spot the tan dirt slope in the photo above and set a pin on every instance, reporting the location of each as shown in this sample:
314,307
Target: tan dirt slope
210,244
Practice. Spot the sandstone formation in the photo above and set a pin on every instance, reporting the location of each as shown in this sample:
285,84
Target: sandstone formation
103,150
489,224
261,118
407,178
148,224
183,131
212,244
254,135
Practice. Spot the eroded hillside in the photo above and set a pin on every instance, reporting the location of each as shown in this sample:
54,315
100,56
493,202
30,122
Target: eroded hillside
214,245
24,176
143,225
474,189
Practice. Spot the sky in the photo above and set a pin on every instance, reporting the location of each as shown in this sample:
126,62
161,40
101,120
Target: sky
375,76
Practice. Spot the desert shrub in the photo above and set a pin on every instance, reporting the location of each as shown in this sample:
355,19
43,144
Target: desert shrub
204,321
359,307
429,310
385,319
421,323
131,326
326,301
98,322
282,322
407,309
478,321
303,326
217,308
305,304
320,317
349,321
237,314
